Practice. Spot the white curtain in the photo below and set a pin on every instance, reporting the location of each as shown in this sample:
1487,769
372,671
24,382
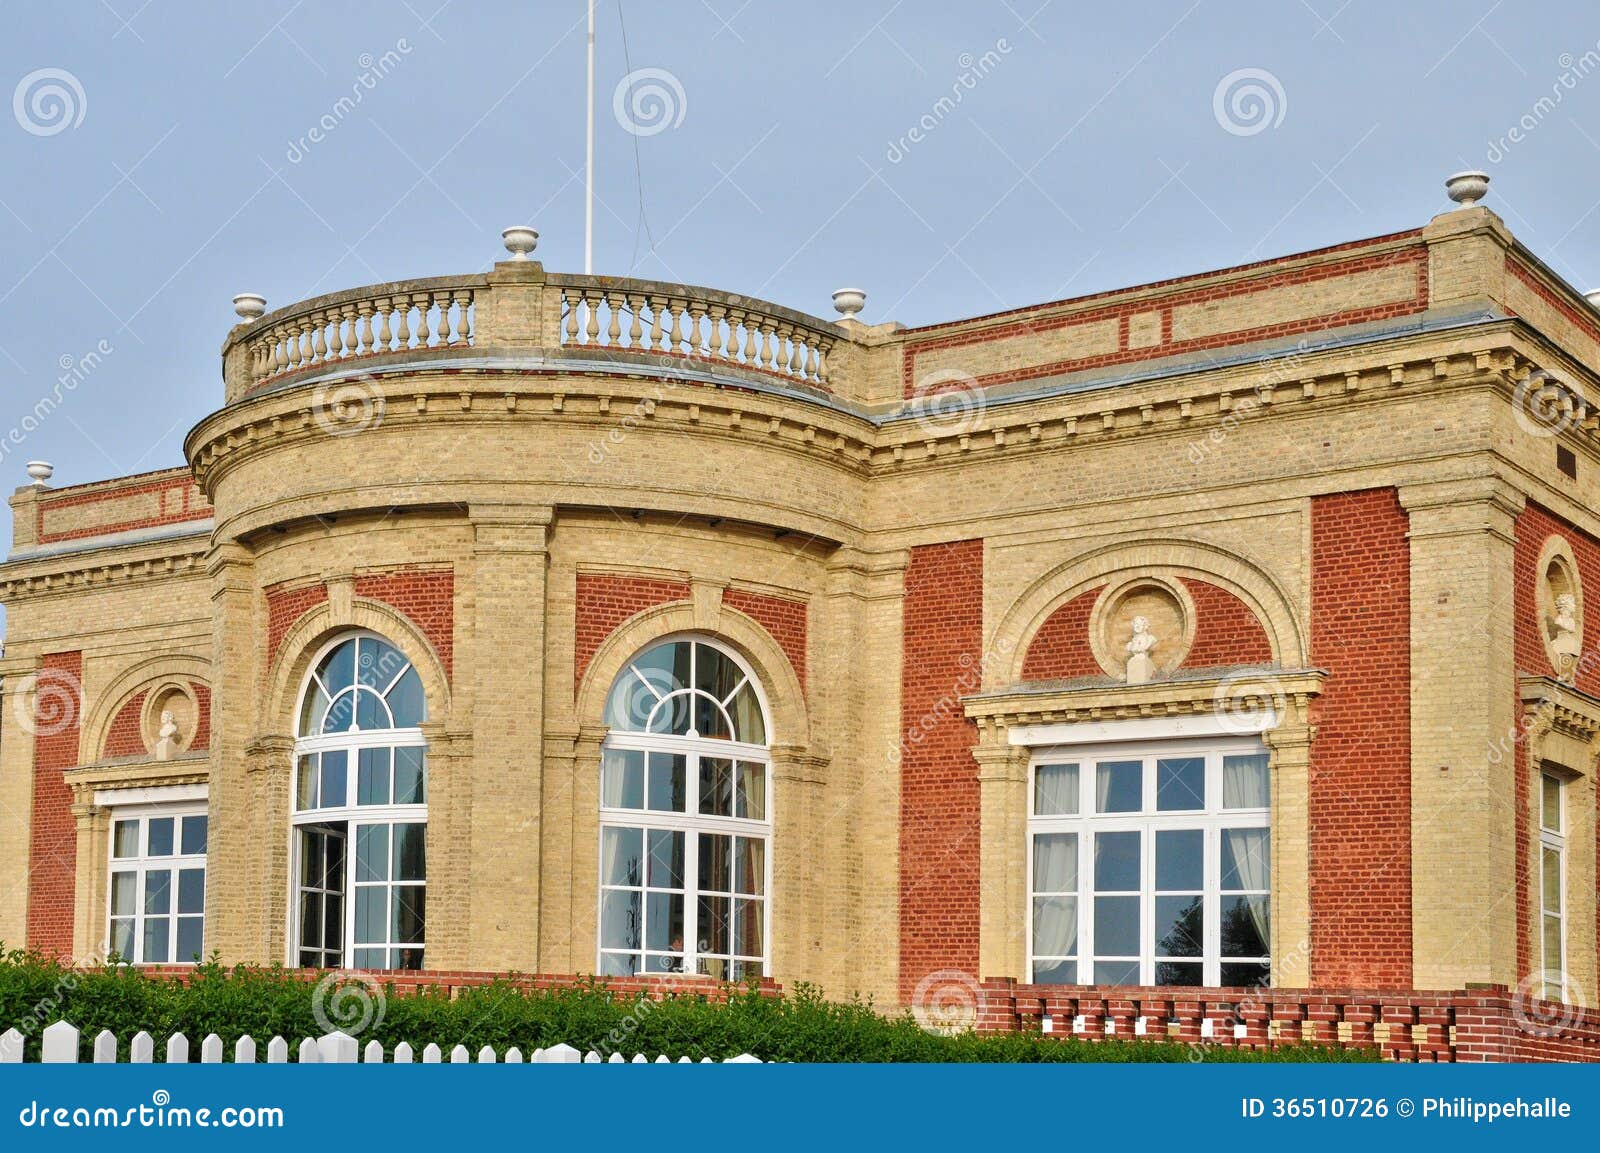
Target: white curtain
1244,782
1055,918
1248,849
1055,790
1102,788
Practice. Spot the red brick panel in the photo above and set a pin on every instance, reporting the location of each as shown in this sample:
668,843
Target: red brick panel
1360,806
939,815
177,501
428,599
605,600
53,842
783,617
284,607
1227,632
202,717
1060,648
125,737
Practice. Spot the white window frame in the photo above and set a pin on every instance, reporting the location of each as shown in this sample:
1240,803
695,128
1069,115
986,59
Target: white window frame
1210,821
690,822
351,814
176,862
1553,840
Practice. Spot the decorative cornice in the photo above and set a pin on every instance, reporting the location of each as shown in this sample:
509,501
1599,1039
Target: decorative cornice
139,772
1553,706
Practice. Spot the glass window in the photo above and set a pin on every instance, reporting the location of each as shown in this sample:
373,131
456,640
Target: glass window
157,894
361,810
1552,886
1162,877
684,817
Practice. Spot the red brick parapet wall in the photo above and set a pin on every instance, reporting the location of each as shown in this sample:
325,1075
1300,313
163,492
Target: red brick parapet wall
1487,1023
152,500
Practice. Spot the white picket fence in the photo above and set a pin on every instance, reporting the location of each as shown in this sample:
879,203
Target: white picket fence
59,1045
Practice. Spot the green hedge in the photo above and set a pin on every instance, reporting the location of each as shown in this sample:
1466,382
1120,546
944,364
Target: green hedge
801,1026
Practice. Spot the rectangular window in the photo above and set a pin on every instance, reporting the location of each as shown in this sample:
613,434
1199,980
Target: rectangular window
1553,885
362,894
157,901
1150,865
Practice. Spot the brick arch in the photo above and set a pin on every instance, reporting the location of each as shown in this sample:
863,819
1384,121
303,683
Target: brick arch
112,721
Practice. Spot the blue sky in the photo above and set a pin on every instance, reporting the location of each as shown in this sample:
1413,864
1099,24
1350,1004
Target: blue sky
172,166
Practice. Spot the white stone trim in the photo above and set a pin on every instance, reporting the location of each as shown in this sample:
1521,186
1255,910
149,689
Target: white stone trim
151,795
1144,729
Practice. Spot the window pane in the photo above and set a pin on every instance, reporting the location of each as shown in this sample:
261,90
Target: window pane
372,777
672,715
311,919
622,779
715,672
663,962
1245,975
1180,859
124,894
1116,972
409,776
1186,973
161,829
1055,863
305,792
1552,943
1055,972
751,799
371,958
312,848
1180,783
716,863
1055,926
191,941
1551,885
664,922
410,901
335,770
155,941
333,925
1119,786
1244,860
407,703
1055,790
749,866
192,891
713,926
410,852
338,669
158,891
621,856
748,725
378,664
121,942
620,920
1180,927
618,964
1246,928
372,853
371,713
1116,926
1244,782
748,930
665,667
372,914
1116,862
341,714
1550,802
667,783
194,836
313,710
716,786
125,839
710,720
666,859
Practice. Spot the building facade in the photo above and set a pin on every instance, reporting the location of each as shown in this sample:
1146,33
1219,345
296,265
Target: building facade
1223,632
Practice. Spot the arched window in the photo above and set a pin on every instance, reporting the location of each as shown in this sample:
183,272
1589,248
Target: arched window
685,817
360,810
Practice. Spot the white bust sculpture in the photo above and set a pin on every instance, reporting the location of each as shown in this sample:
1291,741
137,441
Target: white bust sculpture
1140,667
1564,640
167,738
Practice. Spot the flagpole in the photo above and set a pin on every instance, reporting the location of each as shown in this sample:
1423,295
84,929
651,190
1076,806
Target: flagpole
588,167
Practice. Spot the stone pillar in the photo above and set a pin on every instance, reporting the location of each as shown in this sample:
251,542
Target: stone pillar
89,942
268,788
1003,863
450,881
1464,716
584,891
1289,745
505,659
245,879
799,854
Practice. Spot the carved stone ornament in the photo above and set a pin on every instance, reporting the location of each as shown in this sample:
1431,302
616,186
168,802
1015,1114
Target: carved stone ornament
1559,603
1141,628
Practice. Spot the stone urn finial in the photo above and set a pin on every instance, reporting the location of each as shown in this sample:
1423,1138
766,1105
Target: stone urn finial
848,302
1593,297
1467,188
250,306
520,240
40,472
